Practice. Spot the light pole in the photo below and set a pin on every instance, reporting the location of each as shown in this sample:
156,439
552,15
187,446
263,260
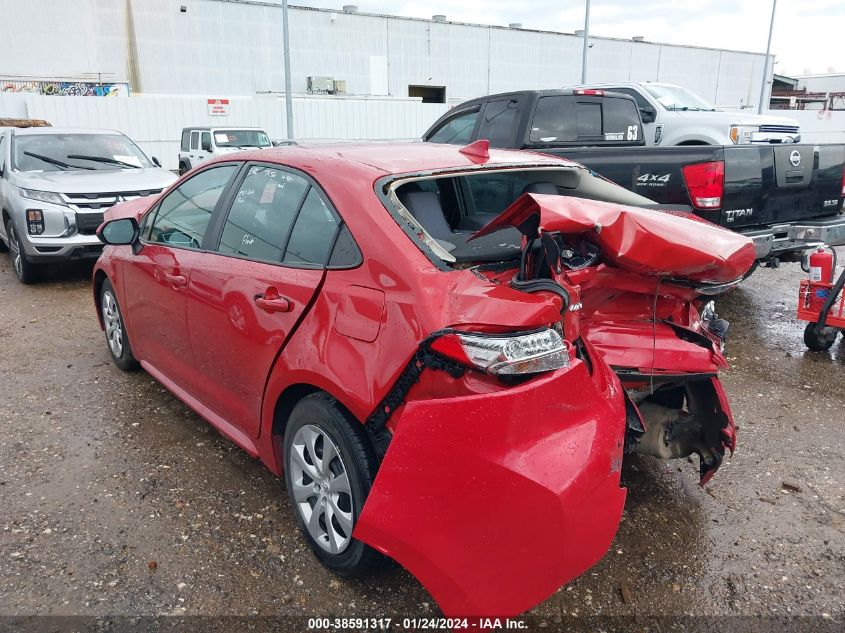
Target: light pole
586,37
288,97
766,62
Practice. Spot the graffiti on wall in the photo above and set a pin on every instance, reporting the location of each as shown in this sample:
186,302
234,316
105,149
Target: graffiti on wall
67,88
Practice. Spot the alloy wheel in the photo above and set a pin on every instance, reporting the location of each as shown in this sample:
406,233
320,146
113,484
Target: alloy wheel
321,490
113,324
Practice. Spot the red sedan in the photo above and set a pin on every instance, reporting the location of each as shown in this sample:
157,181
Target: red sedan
326,309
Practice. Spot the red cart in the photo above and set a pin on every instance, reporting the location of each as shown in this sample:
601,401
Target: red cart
822,304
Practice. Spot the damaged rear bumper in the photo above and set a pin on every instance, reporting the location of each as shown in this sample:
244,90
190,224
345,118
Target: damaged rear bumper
493,501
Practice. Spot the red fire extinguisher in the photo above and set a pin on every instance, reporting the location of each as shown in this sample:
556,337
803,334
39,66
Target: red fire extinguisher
821,275
821,266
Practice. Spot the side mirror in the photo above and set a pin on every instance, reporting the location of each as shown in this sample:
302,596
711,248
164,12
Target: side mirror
648,114
156,162
206,145
119,232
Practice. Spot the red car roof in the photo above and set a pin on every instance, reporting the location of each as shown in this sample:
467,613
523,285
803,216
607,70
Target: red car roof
380,158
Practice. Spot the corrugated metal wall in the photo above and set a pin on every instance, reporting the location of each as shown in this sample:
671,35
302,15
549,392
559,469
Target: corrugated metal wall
235,48
155,123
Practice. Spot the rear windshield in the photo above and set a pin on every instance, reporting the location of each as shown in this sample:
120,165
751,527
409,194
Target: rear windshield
446,210
74,152
241,138
568,119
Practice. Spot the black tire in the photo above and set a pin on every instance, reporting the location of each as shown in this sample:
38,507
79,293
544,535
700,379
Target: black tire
24,270
357,460
819,341
117,341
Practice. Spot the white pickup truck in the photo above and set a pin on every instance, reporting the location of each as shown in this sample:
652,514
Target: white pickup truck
673,115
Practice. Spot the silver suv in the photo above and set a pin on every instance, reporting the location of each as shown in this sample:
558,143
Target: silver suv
55,184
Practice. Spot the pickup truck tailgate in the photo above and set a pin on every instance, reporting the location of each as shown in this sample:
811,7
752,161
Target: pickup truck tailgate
772,184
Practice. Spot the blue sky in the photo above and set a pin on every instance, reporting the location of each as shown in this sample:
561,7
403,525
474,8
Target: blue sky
807,37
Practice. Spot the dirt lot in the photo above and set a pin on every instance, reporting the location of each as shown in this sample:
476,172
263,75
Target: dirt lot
116,500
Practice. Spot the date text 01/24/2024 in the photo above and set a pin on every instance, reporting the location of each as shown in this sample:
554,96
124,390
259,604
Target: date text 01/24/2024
417,624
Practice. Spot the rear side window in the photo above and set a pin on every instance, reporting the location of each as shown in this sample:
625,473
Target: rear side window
314,232
186,136
457,130
183,216
2,154
554,120
263,213
498,123
195,140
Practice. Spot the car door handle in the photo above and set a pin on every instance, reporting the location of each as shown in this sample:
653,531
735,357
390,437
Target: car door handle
273,304
176,280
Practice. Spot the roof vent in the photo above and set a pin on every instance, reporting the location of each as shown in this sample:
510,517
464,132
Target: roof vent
439,17
515,25
638,38
350,8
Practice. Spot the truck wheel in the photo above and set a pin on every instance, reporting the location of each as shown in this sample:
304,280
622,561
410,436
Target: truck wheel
329,470
116,336
25,270
819,341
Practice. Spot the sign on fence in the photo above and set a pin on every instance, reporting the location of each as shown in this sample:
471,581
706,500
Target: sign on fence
218,107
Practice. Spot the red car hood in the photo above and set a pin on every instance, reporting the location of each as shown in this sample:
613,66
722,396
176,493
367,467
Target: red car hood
640,240
130,208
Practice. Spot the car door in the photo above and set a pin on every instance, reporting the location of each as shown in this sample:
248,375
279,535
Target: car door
246,299
156,277
3,178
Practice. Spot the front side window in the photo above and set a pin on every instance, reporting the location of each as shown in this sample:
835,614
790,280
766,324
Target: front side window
76,152
183,216
457,130
2,155
206,141
262,215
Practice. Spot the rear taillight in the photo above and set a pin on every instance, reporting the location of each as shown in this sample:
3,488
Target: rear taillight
705,183
590,92
505,354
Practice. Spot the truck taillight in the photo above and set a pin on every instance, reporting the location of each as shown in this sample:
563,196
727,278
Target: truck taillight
590,92
505,354
705,183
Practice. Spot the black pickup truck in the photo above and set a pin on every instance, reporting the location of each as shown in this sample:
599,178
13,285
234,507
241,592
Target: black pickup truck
788,198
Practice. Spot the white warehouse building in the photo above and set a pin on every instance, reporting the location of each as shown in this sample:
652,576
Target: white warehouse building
391,76
234,47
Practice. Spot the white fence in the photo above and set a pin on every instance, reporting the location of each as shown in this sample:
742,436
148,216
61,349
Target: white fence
156,122
818,126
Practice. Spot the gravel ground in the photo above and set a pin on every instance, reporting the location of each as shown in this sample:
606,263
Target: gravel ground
116,500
